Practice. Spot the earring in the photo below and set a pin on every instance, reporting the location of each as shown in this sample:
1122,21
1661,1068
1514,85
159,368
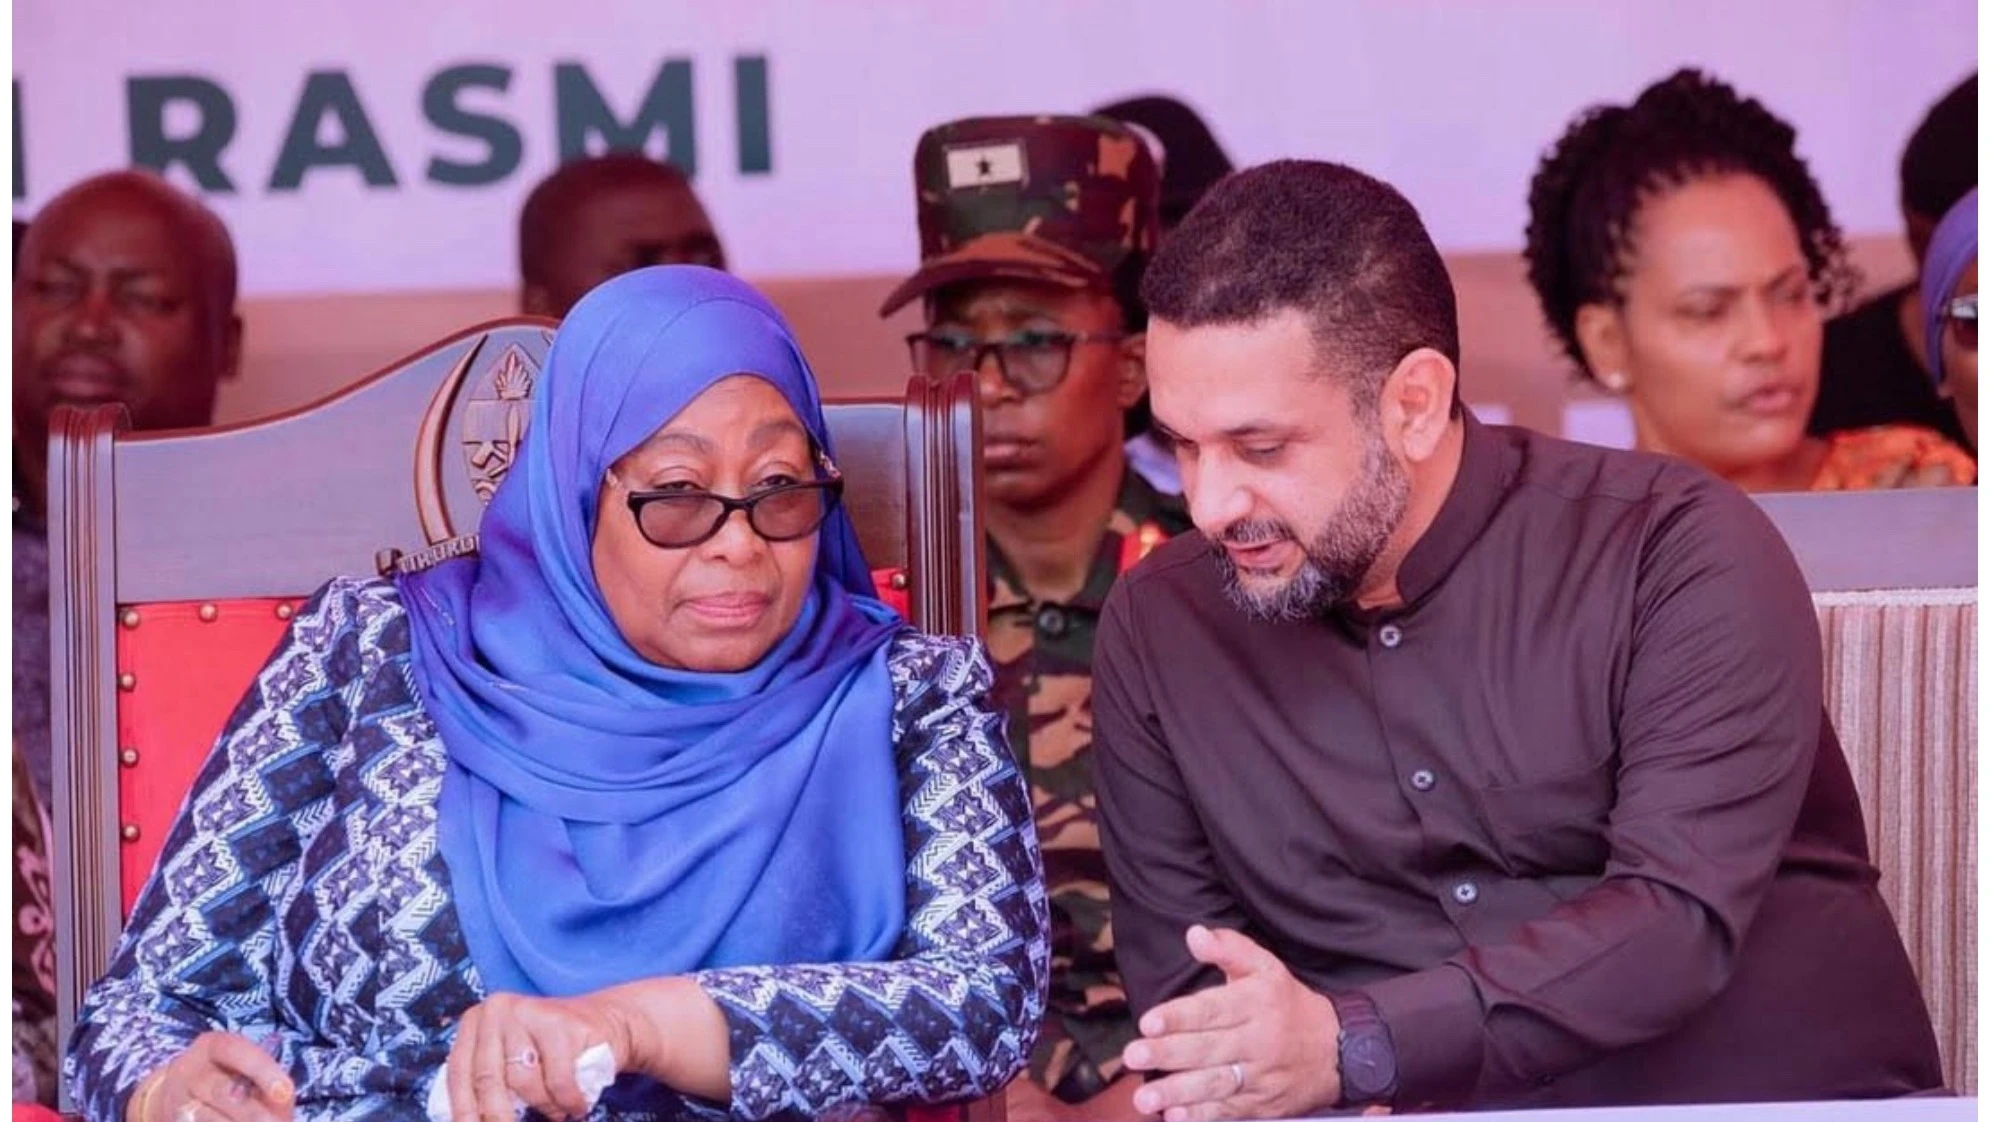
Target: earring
1615,381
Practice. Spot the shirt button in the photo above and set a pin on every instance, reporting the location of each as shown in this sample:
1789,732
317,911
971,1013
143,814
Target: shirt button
1051,621
1389,635
1465,893
1423,780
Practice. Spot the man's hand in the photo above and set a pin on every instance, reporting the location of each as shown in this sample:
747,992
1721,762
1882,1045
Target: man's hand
1261,1046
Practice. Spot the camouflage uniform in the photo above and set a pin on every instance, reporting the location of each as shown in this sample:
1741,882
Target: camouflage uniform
1067,201
1043,655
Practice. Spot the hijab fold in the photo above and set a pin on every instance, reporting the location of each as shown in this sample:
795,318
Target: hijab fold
604,818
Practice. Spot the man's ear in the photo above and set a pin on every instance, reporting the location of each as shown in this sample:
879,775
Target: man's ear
1417,402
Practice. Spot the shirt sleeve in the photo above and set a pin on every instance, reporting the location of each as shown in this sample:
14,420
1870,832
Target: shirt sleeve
1162,874
1719,722
200,951
954,1014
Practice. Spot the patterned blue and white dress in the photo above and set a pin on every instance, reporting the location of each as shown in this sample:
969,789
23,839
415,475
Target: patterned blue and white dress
301,900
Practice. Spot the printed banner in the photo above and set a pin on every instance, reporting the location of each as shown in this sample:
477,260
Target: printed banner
377,145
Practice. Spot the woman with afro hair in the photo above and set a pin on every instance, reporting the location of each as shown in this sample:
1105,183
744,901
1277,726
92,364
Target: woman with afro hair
1684,257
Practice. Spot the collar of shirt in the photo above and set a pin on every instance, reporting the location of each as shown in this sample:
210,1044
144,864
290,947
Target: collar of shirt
1488,470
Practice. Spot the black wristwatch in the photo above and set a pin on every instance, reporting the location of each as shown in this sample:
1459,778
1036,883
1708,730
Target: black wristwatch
1367,1063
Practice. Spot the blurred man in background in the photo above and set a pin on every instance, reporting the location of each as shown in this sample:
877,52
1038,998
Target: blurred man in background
125,292
600,216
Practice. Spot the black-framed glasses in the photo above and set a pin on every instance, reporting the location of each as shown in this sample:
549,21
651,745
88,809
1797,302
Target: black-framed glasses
1962,317
1032,362
683,519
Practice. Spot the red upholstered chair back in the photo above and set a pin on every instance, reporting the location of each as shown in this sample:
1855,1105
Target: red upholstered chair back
176,560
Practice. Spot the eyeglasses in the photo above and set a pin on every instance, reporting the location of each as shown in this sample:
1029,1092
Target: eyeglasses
1961,315
683,519
1031,362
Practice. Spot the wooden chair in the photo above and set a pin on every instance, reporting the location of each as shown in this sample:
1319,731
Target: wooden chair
177,558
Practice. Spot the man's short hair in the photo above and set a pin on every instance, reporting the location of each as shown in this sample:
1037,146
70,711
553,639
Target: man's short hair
1938,166
1343,248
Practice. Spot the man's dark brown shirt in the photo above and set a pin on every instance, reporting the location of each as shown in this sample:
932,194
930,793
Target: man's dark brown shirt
1573,817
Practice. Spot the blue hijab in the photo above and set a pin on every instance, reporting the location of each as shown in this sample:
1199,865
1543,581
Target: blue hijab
1955,244
604,818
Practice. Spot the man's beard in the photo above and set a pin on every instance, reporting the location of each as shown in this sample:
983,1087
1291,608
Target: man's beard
1336,562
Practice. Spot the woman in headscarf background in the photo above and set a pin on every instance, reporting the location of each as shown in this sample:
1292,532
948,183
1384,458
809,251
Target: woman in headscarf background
1949,294
651,770
1683,255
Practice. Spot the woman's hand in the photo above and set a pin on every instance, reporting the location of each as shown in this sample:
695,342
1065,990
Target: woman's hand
509,1045
221,1077
678,1036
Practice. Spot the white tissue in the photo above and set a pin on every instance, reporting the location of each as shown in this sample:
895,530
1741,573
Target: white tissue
595,1070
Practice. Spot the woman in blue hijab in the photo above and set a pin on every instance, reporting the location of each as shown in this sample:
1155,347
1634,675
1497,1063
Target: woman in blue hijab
649,788
1950,298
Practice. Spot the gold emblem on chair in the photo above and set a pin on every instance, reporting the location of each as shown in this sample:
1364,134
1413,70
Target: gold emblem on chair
494,421
488,398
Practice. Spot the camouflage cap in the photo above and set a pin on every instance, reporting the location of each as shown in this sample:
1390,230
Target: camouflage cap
1059,199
